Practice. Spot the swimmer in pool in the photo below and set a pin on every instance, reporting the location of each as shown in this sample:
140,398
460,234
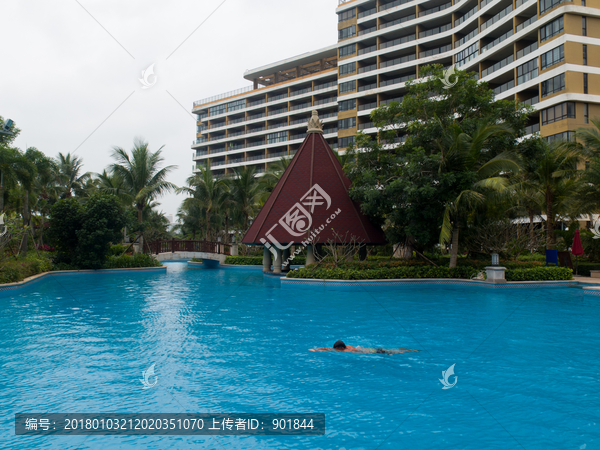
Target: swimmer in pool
339,346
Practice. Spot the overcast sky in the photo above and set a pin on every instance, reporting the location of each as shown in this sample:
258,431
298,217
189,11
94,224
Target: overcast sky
69,70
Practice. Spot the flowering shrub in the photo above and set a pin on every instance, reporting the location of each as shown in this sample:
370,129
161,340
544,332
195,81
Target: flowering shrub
45,248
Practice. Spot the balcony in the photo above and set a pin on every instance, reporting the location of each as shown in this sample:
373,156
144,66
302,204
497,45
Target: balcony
527,50
367,30
526,23
402,40
470,13
370,49
325,85
436,30
426,12
368,68
366,87
400,60
435,51
277,111
496,18
505,87
397,21
499,65
496,41
366,13
325,100
364,126
393,4
397,80
366,106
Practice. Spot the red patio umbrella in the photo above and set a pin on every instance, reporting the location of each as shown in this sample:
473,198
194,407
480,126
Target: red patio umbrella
576,248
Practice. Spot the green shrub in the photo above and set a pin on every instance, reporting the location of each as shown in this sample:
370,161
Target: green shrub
583,268
338,273
128,262
82,233
539,274
352,272
196,260
14,270
257,260
118,249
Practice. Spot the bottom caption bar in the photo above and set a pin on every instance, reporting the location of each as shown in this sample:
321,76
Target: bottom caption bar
169,424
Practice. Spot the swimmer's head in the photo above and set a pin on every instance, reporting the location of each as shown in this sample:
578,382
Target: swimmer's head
339,345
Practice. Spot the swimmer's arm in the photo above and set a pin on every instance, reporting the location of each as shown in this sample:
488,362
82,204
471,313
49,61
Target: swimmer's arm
322,349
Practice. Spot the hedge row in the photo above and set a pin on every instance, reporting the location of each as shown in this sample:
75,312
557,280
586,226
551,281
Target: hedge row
14,270
539,274
257,260
535,274
384,273
128,262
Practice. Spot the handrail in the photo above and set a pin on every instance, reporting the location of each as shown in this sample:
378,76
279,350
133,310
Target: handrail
173,245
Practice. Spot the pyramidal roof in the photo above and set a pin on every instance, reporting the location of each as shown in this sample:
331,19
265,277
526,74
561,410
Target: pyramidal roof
311,201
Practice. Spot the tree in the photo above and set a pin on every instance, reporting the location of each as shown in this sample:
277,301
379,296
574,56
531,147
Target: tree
71,178
143,178
399,177
82,233
554,178
467,157
207,194
245,192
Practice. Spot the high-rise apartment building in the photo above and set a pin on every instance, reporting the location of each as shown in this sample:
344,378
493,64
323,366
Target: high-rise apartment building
542,52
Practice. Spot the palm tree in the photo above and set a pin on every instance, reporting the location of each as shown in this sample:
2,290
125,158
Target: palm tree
11,163
272,176
143,178
466,156
245,192
72,180
207,194
554,180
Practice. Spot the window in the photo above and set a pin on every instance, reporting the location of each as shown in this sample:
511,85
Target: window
585,83
344,124
347,15
234,106
272,138
546,5
345,69
553,85
347,105
216,110
584,54
558,112
467,54
345,142
527,71
347,32
347,50
552,57
349,86
564,136
584,26
552,29
586,113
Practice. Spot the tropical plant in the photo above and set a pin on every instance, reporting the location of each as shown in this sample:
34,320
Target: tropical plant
143,178
69,171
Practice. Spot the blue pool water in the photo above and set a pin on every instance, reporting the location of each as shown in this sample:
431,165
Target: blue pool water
226,341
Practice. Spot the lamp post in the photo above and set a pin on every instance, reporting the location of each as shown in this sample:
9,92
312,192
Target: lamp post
495,259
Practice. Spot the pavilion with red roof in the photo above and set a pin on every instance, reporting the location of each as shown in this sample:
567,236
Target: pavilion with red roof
310,206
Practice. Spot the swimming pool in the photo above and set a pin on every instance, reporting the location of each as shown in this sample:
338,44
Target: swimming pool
526,360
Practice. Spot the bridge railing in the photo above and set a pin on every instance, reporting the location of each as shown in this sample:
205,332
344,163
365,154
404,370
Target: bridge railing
173,246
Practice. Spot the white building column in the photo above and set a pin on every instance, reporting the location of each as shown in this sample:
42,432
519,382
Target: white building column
266,259
310,254
278,261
